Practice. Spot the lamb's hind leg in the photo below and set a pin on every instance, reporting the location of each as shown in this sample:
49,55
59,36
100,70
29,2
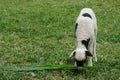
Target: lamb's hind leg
94,53
94,45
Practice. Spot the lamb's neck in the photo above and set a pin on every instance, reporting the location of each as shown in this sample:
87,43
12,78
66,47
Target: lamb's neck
80,45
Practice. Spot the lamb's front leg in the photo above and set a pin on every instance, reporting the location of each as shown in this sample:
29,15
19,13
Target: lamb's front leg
90,58
90,61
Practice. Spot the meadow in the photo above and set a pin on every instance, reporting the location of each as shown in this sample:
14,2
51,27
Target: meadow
42,32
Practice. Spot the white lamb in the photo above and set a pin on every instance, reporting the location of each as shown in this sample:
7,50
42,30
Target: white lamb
85,32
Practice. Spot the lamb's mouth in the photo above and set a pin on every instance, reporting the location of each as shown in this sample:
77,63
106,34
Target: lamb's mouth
80,64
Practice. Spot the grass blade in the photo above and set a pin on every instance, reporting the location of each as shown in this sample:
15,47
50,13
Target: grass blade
39,67
42,67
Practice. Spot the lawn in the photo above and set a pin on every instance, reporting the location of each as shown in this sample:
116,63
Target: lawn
36,32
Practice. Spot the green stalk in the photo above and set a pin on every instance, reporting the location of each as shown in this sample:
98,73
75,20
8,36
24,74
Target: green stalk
38,67
41,67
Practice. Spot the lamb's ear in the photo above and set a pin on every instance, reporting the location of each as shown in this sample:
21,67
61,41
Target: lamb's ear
88,53
72,54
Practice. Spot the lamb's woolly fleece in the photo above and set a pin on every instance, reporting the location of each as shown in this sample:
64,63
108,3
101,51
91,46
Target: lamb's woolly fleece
86,29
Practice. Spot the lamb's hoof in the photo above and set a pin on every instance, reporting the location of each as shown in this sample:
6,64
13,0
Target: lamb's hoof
90,65
95,59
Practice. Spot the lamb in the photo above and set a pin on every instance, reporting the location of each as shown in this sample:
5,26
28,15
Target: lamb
85,33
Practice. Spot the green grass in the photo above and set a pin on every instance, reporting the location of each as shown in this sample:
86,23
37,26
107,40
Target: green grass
42,32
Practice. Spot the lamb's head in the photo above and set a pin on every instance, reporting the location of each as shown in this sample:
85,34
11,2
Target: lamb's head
80,56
